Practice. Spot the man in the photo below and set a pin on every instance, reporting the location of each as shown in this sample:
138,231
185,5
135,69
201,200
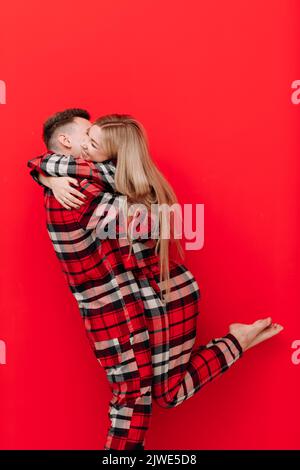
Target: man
85,259
99,272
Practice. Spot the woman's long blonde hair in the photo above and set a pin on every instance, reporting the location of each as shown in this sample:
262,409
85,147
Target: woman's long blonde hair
138,178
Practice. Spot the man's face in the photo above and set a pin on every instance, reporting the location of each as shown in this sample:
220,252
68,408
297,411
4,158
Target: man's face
78,134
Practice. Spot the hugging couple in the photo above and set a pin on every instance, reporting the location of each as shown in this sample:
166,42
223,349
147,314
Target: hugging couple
139,305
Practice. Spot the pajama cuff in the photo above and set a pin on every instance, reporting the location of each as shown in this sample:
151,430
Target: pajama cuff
35,173
235,341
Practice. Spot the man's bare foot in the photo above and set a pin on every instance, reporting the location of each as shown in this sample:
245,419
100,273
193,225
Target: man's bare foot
250,335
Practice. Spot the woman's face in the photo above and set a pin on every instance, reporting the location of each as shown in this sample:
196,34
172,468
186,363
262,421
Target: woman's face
91,148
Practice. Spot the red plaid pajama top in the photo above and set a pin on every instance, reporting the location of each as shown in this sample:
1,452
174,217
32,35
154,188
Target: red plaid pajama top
100,272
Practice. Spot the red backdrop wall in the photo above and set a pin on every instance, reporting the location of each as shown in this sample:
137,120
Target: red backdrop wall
211,82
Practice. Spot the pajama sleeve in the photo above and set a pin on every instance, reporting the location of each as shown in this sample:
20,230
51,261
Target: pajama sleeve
95,182
52,164
36,170
103,206
35,176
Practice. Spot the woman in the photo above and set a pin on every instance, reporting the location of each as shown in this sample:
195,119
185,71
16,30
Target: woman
157,361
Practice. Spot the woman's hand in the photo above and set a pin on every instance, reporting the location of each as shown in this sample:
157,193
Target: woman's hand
64,193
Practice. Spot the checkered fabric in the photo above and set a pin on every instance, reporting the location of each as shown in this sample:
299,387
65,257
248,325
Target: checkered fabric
160,362
146,347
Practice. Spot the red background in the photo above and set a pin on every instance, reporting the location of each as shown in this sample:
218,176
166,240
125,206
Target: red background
211,82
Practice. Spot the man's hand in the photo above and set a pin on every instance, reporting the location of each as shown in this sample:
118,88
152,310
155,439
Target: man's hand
63,192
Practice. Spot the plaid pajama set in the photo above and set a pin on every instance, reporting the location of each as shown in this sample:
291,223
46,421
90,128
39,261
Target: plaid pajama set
145,347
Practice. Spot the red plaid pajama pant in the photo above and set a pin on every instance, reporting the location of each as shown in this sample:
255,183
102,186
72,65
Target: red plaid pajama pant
158,361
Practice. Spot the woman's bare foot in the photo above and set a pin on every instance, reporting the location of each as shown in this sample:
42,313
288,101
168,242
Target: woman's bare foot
267,333
250,335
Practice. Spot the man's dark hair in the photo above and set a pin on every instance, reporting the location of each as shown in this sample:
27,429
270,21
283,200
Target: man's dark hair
60,119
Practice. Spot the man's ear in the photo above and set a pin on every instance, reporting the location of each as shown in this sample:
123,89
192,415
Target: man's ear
64,140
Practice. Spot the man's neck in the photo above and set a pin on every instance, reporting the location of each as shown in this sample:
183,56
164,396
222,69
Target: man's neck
61,150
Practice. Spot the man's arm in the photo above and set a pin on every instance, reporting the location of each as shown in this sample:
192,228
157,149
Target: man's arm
104,206
48,169
61,186
41,179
